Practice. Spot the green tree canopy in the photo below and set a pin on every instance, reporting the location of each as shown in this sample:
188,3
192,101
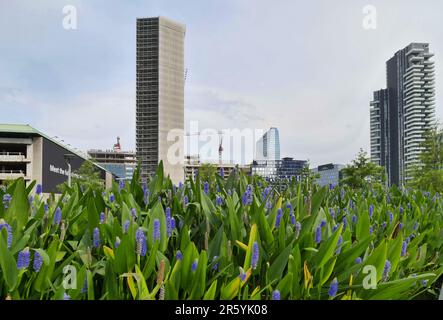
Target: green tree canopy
428,174
86,176
362,172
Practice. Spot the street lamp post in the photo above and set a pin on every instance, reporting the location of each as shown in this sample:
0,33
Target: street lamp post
68,158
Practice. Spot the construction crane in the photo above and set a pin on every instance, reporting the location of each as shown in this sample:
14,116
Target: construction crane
220,146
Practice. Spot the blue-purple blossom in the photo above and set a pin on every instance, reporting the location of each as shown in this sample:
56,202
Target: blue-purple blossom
322,224
111,198
39,189
179,255
371,229
404,248
180,185
383,225
400,225
134,213
66,296
173,226
121,184
334,228
354,219
424,282
84,289
276,295
297,229
194,265
265,193
318,235
96,238
331,186
242,275
292,217
215,266
126,226
102,217
168,221
140,242
415,227
185,200
401,210
278,218
339,243
371,211
289,206
391,216
38,262
247,196
333,288
8,228
255,255
358,260
206,187
57,216
6,200
156,235
46,208
386,270
117,242
222,172
332,213
23,259
345,223
146,193
218,201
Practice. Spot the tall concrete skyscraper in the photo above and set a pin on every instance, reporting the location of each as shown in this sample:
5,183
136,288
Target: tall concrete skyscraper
160,96
401,114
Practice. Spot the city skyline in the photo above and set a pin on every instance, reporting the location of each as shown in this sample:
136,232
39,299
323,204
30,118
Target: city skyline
320,69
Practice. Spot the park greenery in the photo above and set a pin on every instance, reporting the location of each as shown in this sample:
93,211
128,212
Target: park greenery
234,238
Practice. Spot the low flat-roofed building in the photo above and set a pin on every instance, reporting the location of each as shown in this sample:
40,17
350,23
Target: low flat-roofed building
29,154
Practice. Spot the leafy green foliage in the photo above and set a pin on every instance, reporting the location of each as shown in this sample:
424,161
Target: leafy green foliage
362,172
209,253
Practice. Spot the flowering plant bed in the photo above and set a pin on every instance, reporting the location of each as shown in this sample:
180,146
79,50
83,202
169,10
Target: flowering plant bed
238,238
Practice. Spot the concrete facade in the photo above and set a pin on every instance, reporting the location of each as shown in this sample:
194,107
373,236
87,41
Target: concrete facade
160,96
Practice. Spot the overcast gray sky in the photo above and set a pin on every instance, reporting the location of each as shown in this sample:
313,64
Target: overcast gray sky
306,67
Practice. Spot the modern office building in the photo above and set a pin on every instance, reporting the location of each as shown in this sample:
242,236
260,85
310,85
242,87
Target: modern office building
402,113
268,146
29,154
120,163
160,96
277,170
328,174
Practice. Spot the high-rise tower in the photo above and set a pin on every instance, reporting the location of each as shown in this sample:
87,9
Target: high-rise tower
401,114
160,96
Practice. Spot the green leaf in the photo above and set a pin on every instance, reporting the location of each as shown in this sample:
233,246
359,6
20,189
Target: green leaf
7,262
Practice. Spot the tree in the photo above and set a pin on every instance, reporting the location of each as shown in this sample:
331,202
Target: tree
362,172
87,176
428,174
207,172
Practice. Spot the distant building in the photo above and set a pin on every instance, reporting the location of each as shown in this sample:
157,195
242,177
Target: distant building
160,96
401,114
121,163
193,164
268,146
329,174
29,154
276,170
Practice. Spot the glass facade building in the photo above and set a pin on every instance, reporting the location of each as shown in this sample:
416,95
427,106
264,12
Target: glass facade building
278,170
328,174
268,146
